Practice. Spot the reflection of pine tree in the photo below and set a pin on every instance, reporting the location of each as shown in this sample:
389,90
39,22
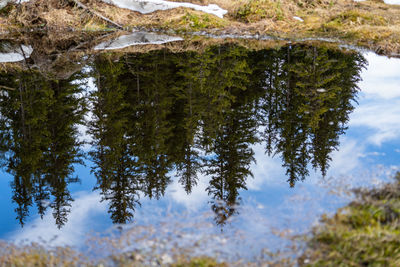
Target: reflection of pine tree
325,138
149,129
115,168
25,113
222,68
65,112
39,120
230,166
304,90
160,111
22,196
229,163
188,106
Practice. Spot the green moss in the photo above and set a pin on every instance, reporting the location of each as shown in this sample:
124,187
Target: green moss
256,10
6,10
199,21
365,233
199,262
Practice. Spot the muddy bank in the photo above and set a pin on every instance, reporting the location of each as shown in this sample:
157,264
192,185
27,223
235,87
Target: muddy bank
370,24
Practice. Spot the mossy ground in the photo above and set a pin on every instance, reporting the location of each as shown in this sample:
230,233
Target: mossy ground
371,24
364,233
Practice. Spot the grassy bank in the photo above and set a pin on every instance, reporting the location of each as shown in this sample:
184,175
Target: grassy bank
364,233
370,24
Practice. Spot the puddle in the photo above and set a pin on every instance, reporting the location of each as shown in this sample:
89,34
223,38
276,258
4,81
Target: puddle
216,136
136,38
149,6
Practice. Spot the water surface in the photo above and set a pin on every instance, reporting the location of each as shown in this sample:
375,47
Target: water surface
247,140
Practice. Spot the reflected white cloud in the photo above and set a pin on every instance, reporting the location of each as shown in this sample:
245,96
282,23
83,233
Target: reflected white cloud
381,118
80,222
193,201
266,169
382,77
381,82
347,158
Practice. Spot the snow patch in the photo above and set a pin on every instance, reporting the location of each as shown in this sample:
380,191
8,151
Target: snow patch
3,3
15,53
392,2
298,18
149,6
137,38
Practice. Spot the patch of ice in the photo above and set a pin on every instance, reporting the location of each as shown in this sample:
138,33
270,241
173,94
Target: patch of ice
137,38
149,6
3,3
15,54
392,2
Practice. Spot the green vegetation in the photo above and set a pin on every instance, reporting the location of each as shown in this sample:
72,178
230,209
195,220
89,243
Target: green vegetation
39,140
364,233
200,21
353,18
256,10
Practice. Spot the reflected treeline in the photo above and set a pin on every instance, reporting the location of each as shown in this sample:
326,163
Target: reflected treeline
162,116
184,114
39,140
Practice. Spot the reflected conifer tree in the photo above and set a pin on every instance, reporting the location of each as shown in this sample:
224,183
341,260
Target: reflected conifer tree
160,114
201,112
230,154
306,106
39,118
116,170
149,130
187,109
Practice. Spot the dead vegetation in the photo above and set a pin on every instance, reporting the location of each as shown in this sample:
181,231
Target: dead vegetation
371,24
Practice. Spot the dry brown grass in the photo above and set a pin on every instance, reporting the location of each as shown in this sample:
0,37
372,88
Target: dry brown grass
371,24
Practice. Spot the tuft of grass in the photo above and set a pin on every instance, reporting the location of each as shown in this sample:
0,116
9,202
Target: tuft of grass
256,10
364,233
200,21
5,11
199,262
351,18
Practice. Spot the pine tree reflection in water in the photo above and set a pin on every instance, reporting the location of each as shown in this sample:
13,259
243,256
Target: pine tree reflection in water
163,114
40,140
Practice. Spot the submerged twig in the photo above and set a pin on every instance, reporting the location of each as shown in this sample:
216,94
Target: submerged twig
79,4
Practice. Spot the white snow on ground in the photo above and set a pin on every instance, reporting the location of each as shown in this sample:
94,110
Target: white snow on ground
137,38
3,3
391,2
149,6
298,18
15,54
